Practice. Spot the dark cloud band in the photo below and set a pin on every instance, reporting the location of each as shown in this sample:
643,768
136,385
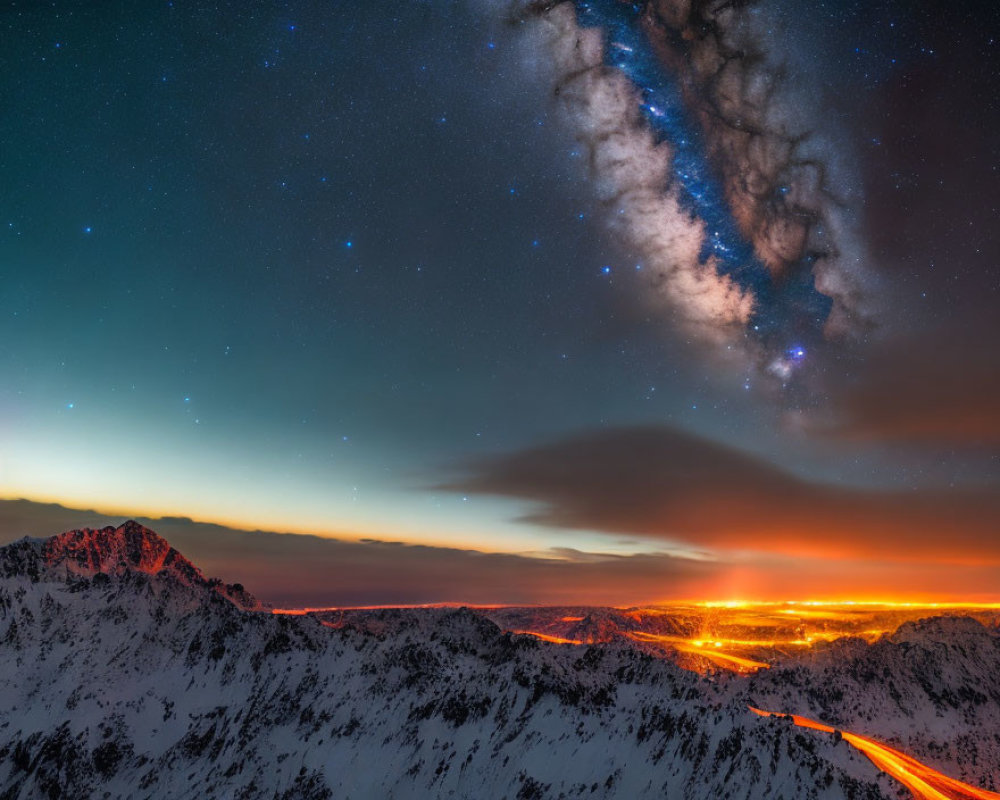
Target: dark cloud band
664,483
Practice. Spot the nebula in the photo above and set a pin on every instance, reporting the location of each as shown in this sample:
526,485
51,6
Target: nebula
713,171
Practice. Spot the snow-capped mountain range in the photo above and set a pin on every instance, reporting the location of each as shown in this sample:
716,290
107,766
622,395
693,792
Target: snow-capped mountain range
127,673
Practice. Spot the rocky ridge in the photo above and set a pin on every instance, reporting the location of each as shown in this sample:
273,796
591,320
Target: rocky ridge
132,675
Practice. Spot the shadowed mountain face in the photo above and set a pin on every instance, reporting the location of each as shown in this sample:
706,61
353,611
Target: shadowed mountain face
132,675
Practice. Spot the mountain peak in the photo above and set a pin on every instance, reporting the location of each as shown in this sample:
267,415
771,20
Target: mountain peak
129,547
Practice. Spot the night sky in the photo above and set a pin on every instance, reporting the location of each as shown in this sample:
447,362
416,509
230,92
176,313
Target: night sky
509,302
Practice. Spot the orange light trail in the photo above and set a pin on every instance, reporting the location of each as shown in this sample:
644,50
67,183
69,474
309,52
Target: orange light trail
701,648
924,782
546,637
726,660
299,612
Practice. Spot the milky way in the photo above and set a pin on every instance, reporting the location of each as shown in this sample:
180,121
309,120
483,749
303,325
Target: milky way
710,173
505,277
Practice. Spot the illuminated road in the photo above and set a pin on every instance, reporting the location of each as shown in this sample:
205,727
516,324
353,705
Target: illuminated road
546,637
707,650
924,782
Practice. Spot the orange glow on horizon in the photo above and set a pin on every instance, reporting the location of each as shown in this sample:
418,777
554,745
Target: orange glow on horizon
831,609
753,580
846,603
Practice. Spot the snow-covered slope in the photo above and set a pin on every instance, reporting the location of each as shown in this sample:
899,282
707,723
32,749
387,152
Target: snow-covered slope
931,688
127,674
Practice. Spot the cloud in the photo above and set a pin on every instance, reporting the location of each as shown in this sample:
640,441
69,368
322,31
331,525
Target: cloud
664,483
293,570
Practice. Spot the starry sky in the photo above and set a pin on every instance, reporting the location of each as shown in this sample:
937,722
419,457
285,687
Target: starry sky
508,301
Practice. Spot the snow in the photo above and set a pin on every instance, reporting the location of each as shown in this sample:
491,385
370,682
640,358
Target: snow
151,683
